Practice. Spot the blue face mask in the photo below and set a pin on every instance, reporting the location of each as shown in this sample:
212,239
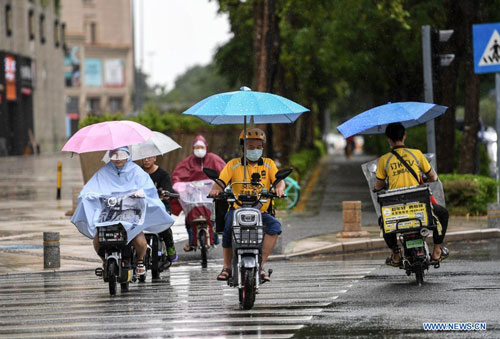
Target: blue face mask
254,154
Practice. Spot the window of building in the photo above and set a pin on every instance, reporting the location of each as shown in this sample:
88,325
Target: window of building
93,106
72,105
31,24
115,104
92,32
42,28
57,34
63,35
8,20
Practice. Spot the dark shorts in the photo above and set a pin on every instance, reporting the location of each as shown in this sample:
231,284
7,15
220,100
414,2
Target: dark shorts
272,226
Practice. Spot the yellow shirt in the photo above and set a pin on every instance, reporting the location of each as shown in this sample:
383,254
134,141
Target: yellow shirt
233,172
389,167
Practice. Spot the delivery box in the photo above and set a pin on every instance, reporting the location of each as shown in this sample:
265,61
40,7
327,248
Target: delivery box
405,208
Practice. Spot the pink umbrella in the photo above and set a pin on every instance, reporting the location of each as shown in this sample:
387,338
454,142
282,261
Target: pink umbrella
107,135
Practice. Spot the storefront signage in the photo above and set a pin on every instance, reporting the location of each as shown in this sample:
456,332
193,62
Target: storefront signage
93,73
10,77
114,75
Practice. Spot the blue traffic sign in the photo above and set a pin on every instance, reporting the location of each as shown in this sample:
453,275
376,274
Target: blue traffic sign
486,42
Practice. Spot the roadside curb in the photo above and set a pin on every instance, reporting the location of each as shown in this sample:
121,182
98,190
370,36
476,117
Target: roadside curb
379,243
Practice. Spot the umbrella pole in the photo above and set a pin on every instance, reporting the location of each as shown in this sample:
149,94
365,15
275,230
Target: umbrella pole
245,148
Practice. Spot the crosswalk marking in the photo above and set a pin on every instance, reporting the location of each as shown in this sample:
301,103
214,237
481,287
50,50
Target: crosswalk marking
187,301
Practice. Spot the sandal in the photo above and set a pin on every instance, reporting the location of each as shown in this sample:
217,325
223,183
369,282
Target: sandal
444,254
187,248
264,277
140,269
390,261
224,275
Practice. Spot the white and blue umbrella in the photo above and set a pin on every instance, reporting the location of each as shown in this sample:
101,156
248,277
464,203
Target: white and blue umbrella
375,120
244,106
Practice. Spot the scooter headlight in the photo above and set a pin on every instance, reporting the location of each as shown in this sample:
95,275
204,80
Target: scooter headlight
247,218
112,201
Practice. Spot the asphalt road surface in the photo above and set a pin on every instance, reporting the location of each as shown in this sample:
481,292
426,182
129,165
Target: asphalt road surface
186,302
388,304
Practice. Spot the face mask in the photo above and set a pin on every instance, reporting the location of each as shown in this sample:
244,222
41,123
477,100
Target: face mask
254,154
200,152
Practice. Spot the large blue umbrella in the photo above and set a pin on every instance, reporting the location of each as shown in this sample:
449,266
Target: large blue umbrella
236,107
244,106
375,120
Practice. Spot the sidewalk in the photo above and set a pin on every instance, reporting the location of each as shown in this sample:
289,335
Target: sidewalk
459,229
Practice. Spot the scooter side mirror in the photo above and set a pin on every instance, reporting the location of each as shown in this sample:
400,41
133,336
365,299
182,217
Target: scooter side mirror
282,174
212,174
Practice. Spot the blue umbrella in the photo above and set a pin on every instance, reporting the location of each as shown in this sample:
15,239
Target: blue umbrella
236,107
375,120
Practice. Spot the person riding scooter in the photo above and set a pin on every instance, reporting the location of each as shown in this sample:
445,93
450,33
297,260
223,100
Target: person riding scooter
121,176
191,169
391,168
234,172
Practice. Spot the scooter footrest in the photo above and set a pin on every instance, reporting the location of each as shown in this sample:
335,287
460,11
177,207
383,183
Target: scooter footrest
99,272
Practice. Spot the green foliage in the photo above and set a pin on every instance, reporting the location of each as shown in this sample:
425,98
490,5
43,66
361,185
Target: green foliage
157,121
484,159
306,159
197,83
467,193
320,146
378,144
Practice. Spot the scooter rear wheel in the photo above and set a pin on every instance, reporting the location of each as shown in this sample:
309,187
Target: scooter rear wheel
419,275
247,291
124,286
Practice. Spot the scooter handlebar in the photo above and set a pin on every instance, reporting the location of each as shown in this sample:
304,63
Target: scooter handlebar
165,193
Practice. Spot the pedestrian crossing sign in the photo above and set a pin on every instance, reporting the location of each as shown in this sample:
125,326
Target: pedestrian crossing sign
486,42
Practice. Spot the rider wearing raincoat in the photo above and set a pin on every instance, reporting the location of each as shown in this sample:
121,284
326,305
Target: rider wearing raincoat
191,170
117,178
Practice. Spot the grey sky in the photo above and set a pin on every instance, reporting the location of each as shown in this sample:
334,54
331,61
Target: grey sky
178,34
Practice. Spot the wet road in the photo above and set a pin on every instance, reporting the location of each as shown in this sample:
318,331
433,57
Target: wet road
186,302
388,304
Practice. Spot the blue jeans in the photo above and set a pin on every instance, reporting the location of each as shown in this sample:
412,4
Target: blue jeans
272,226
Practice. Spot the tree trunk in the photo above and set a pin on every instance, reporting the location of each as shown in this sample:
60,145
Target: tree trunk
446,90
468,148
266,54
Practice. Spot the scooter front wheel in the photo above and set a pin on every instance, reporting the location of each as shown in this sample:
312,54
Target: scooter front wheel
112,269
204,251
155,260
247,291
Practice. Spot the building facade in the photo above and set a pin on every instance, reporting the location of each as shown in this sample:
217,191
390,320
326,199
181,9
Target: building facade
99,65
31,68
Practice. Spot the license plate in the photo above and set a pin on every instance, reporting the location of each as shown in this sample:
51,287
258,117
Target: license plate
414,243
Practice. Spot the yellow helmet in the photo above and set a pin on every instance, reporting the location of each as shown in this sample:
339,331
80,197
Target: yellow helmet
253,133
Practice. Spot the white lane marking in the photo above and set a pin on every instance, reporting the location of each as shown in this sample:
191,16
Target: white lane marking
162,326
